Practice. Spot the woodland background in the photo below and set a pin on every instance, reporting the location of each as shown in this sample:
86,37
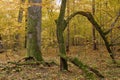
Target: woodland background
78,35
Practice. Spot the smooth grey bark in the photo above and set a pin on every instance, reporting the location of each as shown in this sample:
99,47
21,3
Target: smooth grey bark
34,30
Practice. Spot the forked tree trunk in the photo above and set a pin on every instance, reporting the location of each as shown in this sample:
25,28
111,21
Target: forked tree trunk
33,28
60,22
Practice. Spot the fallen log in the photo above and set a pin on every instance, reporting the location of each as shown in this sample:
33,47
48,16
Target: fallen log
85,68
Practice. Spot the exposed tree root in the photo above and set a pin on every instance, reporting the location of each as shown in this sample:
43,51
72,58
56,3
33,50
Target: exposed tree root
32,61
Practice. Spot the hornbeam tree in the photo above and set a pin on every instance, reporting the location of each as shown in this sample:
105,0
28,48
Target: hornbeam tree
62,23
33,30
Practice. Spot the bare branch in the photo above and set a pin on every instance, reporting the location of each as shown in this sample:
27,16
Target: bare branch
76,13
114,44
113,24
115,39
90,17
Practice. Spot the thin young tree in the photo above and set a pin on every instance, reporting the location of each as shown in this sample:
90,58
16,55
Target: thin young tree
60,23
93,28
68,30
20,17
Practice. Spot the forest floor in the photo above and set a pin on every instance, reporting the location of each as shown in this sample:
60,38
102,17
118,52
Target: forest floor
98,59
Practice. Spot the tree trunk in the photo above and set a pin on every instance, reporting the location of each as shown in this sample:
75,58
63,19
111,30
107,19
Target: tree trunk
1,45
93,28
33,40
63,62
25,43
60,22
20,15
68,30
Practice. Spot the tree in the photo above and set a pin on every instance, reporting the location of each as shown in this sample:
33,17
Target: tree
103,34
62,24
93,28
68,30
20,18
34,30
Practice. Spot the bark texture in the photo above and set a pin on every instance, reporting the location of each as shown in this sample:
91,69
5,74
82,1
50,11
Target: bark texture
60,22
33,31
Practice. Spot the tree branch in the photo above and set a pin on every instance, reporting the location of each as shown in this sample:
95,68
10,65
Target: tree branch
115,39
76,13
114,44
113,24
90,17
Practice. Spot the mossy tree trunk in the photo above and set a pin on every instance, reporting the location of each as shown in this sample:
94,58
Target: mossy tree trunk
60,22
33,28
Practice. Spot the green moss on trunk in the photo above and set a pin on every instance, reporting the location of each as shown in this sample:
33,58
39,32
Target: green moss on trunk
32,45
33,49
60,23
88,71
60,38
